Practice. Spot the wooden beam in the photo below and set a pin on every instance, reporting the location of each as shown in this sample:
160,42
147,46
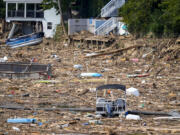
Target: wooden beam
115,51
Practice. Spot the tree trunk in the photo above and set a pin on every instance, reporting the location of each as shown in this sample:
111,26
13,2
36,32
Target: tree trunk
62,20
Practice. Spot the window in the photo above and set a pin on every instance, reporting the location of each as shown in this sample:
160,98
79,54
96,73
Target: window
21,6
49,25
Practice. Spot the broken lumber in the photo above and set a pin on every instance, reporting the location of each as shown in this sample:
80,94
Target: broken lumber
115,51
167,118
144,129
49,109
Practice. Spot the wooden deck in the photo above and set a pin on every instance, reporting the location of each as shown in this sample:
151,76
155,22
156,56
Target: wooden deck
90,41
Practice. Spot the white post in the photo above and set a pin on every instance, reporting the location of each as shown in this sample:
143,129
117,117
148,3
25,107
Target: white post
25,9
16,9
16,6
6,9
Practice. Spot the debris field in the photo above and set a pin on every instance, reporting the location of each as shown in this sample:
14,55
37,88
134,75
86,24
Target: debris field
119,63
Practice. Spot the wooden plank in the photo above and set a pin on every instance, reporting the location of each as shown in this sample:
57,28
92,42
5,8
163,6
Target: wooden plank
115,51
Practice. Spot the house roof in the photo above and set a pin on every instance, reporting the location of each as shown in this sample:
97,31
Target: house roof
23,1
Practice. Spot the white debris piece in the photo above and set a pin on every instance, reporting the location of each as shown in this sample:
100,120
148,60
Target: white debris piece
133,117
133,91
143,81
78,66
3,59
90,54
15,128
92,89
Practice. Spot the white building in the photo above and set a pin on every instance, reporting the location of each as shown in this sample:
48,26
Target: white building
109,22
31,16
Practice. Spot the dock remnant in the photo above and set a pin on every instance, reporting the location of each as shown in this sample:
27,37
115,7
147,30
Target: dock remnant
18,70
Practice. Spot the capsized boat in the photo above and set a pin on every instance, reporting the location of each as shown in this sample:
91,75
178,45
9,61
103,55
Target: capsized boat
26,40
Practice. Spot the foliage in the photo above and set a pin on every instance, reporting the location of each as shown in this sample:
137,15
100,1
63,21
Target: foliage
47,4
86,8
171,16
2,9
160,17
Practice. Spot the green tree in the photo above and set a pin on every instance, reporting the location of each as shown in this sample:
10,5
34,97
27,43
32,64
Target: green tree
138,15
171,16
158,16
2,9
65,5
86,8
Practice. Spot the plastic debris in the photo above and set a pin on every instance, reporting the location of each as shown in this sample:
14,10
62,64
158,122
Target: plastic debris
91,75
85,124
133,117
141,106
143,81
26,95
92,89
56,57
3,59
135,60
78,66
90,54
65,125
98,122
137,75
98,116
89,115
15,128
132,91
21,120
40,123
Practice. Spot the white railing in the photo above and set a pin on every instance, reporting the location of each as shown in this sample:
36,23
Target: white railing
107,27
111,7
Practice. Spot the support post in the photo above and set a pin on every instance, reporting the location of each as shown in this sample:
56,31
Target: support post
12,31
35,10
16,6
16,9
25,10
6,10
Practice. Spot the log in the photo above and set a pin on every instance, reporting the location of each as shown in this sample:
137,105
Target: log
148,113
49,109
115,51
141,128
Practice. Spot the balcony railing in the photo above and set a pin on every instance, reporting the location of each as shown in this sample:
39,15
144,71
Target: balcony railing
106,27
110,7
29,14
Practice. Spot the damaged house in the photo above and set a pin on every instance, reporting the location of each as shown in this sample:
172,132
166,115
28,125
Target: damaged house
28,16
107,23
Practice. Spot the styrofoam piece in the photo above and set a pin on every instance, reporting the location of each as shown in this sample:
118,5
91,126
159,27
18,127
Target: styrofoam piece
132,91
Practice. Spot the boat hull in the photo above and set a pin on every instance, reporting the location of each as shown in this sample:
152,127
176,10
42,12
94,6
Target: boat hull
28,40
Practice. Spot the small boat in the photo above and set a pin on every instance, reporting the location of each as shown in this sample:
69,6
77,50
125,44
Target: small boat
26,40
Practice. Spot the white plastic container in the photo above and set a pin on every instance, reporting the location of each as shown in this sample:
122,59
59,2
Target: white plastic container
133,117
132,91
